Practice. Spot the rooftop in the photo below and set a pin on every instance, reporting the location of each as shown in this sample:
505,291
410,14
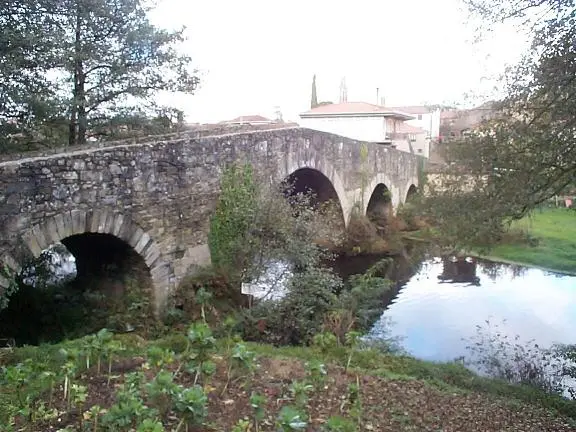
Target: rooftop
354,109
249,119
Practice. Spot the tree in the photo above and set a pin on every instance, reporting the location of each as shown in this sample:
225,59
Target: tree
525,153
314,99
118,57
86,64
30,48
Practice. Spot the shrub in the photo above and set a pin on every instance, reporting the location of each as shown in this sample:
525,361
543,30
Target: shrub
496,354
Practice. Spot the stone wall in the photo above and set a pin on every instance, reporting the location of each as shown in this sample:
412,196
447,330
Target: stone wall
158,196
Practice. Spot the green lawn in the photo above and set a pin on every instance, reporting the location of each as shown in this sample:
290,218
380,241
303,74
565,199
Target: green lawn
555,232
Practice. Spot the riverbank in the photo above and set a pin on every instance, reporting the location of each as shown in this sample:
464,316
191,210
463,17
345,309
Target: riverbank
334,388
546,239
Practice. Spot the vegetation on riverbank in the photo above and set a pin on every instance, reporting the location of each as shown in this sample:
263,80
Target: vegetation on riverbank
545,238
191,380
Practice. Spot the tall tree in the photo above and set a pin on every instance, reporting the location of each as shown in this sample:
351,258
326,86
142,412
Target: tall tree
30,48
526,154
84,65
314,99
117,57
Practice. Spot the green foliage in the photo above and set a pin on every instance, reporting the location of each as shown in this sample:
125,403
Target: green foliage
232,218
192,403
340,424
300,391
291,419
520,154
316,372
5,293
112,59
298,316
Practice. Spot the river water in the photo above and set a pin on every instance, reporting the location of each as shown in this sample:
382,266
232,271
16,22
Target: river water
436,311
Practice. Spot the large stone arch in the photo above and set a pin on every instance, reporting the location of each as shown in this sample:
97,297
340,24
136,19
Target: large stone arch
56,228
327,170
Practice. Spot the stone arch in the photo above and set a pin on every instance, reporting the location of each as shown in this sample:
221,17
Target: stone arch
57,228
387,182
411,192
379,207
325,169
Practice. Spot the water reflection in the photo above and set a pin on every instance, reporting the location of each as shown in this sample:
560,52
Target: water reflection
434,318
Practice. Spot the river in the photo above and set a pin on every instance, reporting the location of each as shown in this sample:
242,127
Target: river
435,312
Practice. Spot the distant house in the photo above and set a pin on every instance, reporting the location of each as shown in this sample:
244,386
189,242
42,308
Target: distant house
248,120
425,117
455,123
368,122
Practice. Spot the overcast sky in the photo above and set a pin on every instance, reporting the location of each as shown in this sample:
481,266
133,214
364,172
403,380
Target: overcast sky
256,54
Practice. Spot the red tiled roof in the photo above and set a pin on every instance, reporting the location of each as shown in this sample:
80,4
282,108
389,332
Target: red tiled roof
351,108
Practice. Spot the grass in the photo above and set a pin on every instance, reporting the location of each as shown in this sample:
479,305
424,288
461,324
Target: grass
554,245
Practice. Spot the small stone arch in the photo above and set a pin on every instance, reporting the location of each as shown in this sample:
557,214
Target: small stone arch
61,226
369,190
327,170
411,192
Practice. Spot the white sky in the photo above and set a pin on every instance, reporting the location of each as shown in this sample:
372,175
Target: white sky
257,54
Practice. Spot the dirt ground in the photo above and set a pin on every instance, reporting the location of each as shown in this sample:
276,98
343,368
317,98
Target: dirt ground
386,404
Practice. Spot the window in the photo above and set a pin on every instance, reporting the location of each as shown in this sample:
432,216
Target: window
419,116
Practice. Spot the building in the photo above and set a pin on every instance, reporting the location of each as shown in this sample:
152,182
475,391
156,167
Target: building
427,118
248,120
455,123
368,122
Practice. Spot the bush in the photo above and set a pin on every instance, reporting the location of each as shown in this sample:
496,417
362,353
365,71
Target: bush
297,317
498,356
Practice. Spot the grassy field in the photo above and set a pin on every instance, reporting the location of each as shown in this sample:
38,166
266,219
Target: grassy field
554,232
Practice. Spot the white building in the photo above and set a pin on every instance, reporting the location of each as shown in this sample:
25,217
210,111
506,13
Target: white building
363,121
424,117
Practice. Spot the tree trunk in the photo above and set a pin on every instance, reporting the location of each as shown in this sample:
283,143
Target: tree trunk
76,116
82,116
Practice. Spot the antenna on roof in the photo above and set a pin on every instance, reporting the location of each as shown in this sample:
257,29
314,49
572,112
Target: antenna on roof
377,95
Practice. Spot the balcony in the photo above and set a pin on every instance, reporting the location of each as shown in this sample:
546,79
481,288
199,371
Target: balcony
399,136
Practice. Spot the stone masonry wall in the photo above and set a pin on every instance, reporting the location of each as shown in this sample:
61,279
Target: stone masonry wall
159,196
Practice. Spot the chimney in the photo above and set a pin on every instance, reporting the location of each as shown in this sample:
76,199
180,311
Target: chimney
382,101
377,94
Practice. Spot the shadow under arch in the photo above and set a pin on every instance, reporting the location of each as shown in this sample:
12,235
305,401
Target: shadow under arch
411,193
314,182
379,208
78,229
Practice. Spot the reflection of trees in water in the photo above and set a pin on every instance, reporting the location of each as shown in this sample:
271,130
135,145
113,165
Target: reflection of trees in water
459,270
495,270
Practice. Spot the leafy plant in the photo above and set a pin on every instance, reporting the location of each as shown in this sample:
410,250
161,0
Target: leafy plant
291,419
203,298
325,341
257,402
192,403
242,425
340,424
300,391
161,390
149,425
159,357
316,372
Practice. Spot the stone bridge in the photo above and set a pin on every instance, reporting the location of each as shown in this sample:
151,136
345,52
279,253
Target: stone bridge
157,196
